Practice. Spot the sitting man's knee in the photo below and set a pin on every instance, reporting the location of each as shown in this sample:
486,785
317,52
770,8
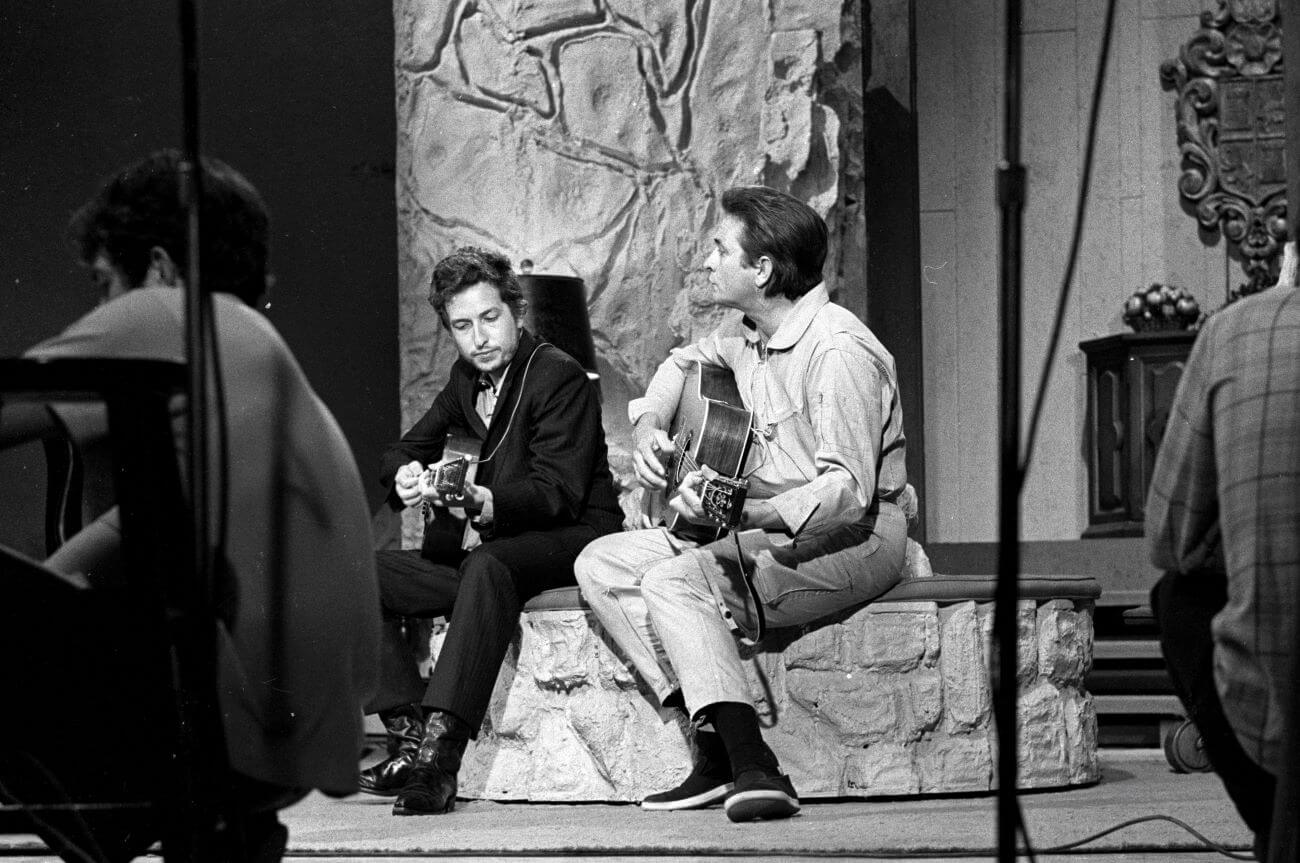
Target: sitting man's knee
593,564
666,579
482,563
480,566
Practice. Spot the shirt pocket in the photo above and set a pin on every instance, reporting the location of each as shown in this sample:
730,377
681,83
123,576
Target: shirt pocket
785,444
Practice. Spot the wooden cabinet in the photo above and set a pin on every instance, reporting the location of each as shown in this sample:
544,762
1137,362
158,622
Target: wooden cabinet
1131,382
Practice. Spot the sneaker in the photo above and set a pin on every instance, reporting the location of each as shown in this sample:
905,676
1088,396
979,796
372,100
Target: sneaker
709,782
760,796
698,791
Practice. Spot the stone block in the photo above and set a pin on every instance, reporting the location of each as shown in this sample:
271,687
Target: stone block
966,696
1044,758
861,708
892,639
923,705
819,650
957,762
880,769
1064,642
1026,638
1081,736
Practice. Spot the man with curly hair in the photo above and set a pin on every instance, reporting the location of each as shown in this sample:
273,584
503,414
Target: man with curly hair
543,490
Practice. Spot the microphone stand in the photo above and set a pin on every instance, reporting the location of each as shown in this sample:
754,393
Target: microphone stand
200,746
1011,196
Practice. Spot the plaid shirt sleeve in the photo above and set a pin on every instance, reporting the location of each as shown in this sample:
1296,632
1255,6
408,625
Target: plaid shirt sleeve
1182,509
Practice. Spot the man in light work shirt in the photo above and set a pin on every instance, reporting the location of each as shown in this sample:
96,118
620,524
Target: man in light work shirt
823,526
1223,521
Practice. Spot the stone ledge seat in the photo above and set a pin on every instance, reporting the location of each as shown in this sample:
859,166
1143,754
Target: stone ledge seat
890,698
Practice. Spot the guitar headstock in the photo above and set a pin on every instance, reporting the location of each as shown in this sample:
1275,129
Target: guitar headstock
447,479
723,499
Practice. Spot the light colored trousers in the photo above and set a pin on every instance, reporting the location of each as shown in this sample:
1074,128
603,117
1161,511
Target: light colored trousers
658,595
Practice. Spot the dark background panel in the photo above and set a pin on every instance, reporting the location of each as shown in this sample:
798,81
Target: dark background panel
298,98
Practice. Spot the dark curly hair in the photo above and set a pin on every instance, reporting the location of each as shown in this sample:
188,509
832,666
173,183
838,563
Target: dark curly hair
786,230
468,266
140,207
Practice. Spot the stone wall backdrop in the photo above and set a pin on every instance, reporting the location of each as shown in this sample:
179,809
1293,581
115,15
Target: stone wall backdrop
594,138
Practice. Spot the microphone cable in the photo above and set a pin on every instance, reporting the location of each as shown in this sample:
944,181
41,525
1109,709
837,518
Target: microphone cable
1076,241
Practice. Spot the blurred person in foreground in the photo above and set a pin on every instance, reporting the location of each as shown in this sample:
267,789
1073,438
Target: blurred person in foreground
297,601
1223,523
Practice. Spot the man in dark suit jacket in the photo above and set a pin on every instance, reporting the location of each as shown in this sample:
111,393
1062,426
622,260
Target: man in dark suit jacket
543,491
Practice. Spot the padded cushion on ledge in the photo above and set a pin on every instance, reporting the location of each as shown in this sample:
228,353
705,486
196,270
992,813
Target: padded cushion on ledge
557,599
981,588
936,588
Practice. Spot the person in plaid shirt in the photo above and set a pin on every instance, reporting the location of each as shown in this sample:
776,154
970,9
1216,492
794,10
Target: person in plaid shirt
1223,522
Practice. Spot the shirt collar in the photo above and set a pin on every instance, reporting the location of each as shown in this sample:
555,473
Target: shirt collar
795,324
484,382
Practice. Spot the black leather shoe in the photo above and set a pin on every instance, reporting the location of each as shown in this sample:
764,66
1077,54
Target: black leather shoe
431,787
405,731
761,796
709,782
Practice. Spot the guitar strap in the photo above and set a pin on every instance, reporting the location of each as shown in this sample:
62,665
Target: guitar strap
746,637
519,396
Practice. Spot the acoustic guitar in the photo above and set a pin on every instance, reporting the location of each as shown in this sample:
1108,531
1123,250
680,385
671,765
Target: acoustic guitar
710,431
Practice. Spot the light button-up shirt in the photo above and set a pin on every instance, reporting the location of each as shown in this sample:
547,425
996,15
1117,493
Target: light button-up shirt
828,423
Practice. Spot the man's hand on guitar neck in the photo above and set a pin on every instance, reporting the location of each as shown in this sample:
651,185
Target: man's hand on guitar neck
687,502
472,497
651,447
413,484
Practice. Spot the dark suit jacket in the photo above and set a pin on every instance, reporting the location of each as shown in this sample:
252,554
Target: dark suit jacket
551,470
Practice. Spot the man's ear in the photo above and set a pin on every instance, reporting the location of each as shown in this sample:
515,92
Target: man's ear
162,269
762,272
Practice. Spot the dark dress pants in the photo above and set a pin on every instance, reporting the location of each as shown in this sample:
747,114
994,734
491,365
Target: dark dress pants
482,594
1184,606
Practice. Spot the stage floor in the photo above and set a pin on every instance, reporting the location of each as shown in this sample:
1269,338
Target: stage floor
1135,783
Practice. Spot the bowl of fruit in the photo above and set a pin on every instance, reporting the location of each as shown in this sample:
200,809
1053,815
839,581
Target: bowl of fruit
1162,307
